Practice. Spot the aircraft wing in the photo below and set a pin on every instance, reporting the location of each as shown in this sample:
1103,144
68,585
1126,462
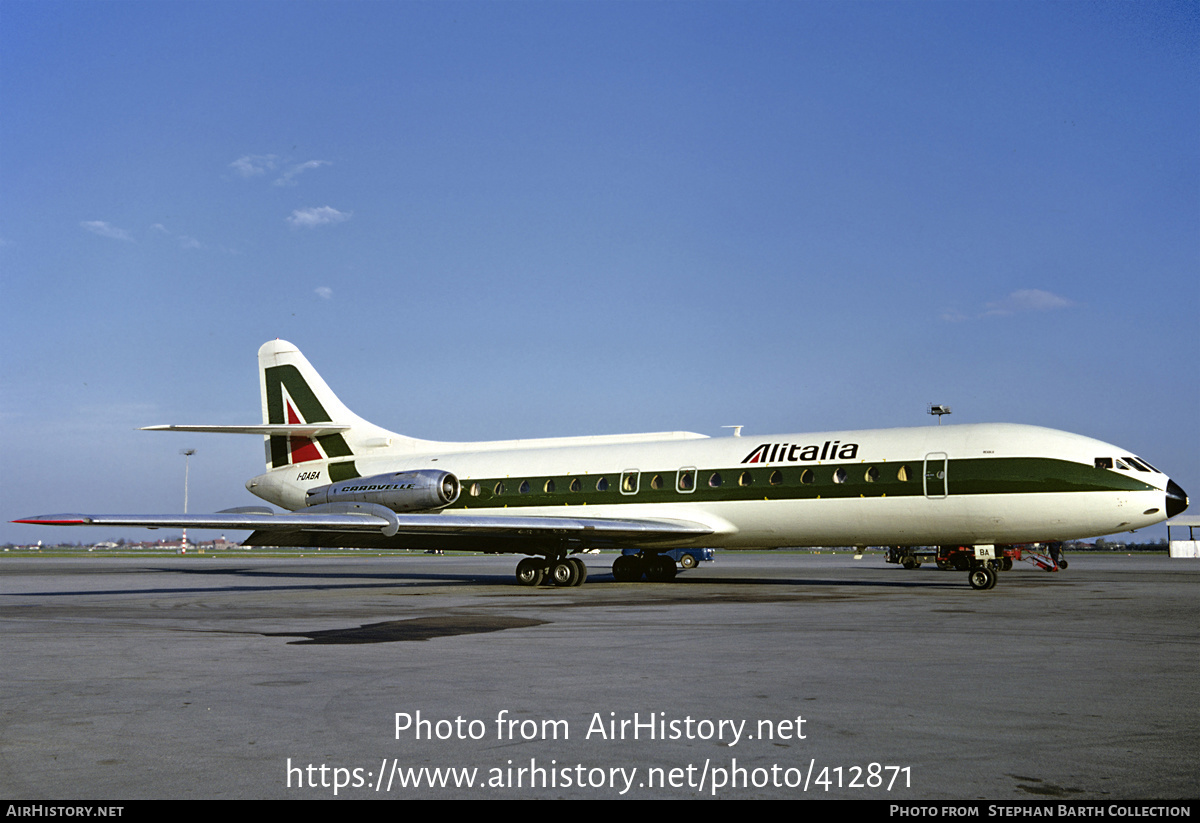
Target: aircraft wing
370,525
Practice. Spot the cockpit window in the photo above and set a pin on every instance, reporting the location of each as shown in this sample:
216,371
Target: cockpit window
1104,463
1137,464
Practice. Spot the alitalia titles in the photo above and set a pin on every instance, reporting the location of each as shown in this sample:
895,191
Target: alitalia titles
801,453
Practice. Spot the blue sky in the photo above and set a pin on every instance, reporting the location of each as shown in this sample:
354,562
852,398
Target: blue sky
499,220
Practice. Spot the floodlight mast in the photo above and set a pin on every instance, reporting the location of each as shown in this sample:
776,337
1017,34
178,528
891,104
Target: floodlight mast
187,466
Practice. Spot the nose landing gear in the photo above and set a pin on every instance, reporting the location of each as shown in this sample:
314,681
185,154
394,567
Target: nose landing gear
982,577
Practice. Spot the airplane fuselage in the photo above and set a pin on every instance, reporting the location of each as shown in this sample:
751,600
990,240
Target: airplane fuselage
965,484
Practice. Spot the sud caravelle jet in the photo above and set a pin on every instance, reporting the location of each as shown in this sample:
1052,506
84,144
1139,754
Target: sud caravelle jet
348,483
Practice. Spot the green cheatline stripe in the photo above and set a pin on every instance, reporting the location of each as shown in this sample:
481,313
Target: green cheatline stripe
1021,475
310,409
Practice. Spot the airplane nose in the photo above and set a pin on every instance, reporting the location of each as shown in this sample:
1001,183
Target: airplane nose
1177,499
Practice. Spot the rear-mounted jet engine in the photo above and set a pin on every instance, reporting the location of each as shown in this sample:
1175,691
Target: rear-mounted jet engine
400,491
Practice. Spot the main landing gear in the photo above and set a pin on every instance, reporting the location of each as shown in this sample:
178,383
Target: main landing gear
556,571
657,568
571,571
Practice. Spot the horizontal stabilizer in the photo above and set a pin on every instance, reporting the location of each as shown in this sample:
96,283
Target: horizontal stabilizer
290,429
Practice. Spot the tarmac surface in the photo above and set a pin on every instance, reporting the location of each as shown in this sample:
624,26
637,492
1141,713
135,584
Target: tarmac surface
759,676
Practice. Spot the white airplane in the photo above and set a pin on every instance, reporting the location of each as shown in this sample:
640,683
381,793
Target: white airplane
348,483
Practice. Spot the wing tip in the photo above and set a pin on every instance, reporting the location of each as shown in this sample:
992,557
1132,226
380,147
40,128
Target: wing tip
55,520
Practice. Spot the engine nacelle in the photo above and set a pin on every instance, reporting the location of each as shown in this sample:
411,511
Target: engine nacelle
400,491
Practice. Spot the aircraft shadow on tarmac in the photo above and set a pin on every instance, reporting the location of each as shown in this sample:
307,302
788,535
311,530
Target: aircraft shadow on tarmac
706,578
707,581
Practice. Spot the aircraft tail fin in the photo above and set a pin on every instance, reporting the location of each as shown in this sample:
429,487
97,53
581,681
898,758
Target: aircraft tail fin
295,396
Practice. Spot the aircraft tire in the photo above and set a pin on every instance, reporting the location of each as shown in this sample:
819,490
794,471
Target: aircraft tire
1006,564
564,573
581,571
627,569
660,569
1062,564
531,571
687,561
981,578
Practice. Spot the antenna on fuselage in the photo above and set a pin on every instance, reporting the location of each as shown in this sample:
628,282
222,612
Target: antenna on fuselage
737,430
939,411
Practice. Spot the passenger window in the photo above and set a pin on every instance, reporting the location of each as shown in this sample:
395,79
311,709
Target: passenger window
524,487
807,477
602,484
839,476
656,482
902,474
474,489
576,485
499,489
776,478
685,480
872,474
629,481
549,487
714,481
746,479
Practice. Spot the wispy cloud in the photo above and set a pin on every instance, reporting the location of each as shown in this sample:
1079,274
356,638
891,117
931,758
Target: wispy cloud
310,218
1026,300
252,165
185,241
104,229
288,178
1021,301
324,292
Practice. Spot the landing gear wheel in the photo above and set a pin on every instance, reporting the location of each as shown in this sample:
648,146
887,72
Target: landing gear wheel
1006,564
1062,564
580,570
564,573
660,569
982,578
627,569
531,572
688,561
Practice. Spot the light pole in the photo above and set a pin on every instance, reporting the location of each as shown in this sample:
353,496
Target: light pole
187,466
